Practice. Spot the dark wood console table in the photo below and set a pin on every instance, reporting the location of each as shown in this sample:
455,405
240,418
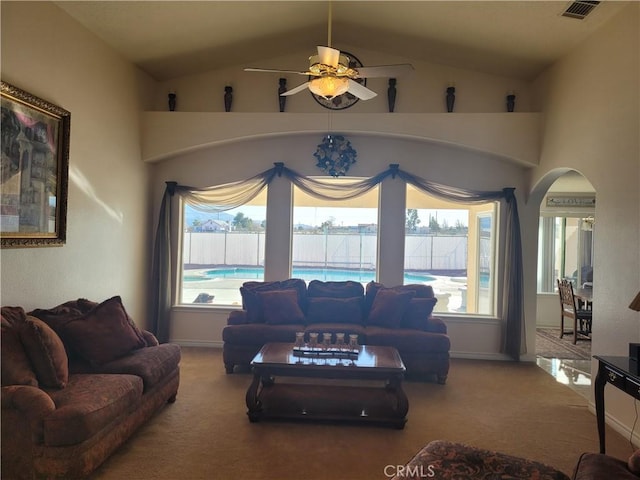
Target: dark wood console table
621,372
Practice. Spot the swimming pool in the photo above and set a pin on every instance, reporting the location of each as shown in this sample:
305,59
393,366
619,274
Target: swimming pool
307,274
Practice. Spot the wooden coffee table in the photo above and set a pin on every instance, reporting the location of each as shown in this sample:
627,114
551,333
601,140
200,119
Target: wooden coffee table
364,388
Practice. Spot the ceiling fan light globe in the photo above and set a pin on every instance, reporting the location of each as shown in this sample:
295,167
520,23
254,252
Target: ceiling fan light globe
329,87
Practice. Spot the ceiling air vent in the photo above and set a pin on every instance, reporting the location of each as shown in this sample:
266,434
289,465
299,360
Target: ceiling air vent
580,9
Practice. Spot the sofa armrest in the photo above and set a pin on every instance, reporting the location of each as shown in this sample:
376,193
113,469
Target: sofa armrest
592,466
29,402
237,317
435,325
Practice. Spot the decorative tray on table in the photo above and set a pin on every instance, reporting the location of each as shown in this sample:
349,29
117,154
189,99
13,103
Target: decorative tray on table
326,351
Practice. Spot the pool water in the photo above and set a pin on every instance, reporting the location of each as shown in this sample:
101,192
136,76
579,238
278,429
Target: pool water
307,274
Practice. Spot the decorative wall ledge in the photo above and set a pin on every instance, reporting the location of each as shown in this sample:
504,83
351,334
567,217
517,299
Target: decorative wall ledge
513,136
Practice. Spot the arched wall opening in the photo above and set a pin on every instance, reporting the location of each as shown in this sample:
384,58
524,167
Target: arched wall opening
566,232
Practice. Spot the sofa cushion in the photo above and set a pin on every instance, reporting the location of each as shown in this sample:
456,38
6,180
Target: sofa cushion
64,312
103,334
417,313
334,310
152,364
388,307
344,289
406,340
46,352
251,300
280,307
88,404
260,333
16,368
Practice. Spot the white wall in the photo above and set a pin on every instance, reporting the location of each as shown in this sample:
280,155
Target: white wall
419,92
590,102
222,163
47,54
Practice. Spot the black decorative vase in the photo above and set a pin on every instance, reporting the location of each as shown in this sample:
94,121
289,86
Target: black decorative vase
451,98
391,94
228,98
282,89
172,102
511,103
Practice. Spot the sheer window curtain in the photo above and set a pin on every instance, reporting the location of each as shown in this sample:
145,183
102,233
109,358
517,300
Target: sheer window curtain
232,195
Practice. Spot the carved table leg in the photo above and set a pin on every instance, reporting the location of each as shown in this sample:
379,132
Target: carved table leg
402,407
253,403
600,382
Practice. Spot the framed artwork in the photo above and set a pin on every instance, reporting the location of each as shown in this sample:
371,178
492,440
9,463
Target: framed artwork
571,201
34,171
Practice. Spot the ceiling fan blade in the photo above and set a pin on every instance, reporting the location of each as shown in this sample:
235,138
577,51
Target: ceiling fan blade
360,91
328,56
295,90
385,71
271,70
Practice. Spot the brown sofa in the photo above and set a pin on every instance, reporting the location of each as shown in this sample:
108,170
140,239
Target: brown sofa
77,381
449,460
399,316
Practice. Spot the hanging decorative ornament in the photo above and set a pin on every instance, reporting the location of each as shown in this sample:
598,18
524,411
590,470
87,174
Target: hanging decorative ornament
335,155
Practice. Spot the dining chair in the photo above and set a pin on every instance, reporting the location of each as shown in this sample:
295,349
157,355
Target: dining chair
571,308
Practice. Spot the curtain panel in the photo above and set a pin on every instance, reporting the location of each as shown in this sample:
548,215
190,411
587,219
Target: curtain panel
232,195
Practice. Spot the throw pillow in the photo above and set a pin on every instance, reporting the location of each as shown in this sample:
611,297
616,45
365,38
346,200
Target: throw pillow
251,300
103,334
16,368
418,311
388,307
281,307
63,312
334,310
634,462
45,351
13,315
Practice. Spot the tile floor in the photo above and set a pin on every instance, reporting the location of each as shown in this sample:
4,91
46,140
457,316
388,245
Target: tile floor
576,374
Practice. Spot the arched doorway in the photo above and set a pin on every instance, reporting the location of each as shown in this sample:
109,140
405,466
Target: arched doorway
566,233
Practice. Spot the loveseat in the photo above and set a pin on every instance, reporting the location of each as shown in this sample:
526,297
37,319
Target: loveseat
399,316
77,381
447,460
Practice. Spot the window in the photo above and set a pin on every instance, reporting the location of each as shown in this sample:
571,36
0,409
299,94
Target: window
451,247
335,240
564,251
221,251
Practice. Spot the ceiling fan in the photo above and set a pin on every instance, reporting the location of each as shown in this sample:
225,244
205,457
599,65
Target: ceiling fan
334,73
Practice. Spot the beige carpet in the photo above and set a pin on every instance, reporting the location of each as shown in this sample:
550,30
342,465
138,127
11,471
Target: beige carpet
514,408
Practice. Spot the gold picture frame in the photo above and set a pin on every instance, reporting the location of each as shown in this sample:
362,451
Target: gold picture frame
34,173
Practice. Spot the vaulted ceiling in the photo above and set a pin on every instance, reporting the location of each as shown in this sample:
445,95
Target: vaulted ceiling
169,39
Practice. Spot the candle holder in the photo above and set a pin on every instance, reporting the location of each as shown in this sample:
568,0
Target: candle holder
511,102
228,98
282,88
451,98
172,101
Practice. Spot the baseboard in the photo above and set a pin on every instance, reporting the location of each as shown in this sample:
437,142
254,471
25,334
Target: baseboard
619,427
193,343
480,356
463,355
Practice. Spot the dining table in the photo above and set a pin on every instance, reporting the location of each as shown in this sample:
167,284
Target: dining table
584,295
